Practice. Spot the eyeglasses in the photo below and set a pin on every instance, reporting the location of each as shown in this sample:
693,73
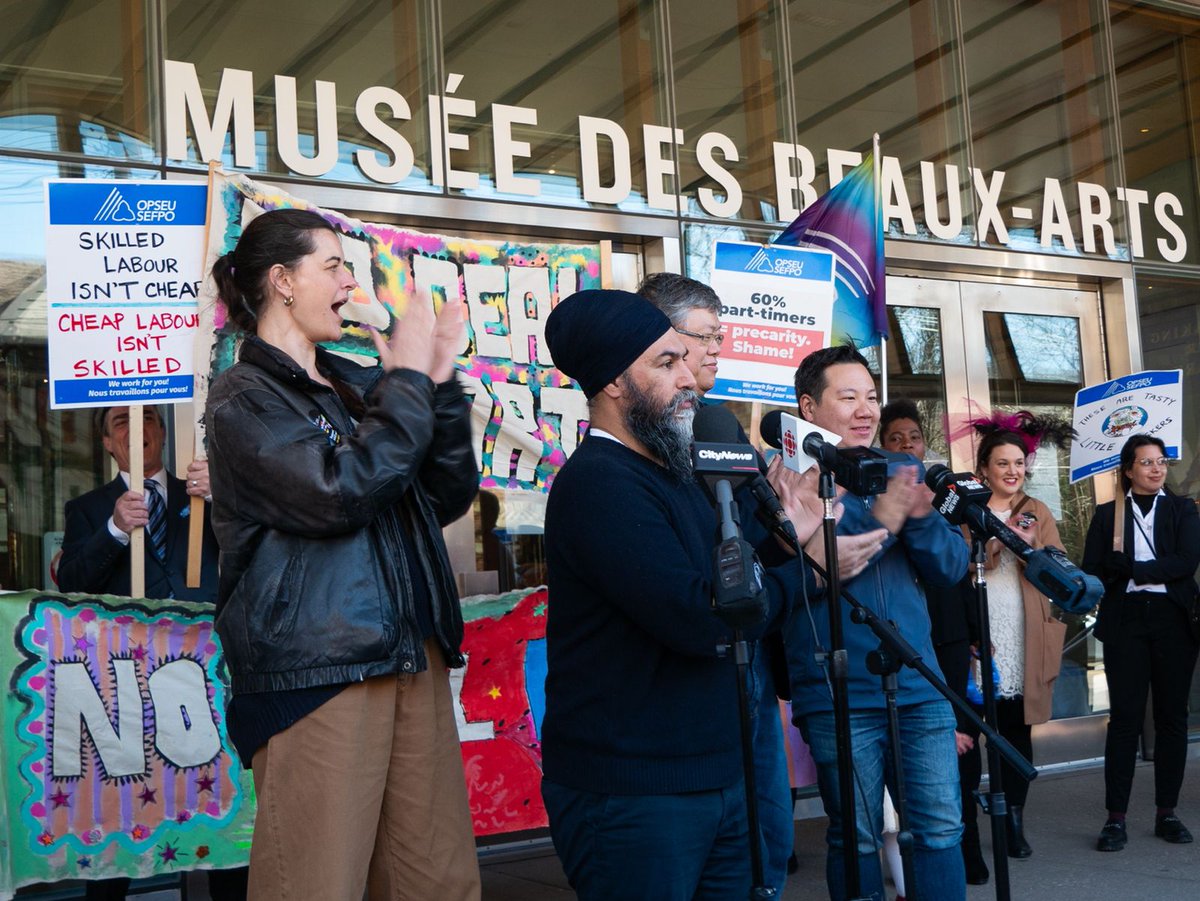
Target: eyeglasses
1160,462
708,341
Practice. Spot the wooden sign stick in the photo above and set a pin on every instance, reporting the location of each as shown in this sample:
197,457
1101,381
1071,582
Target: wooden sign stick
137,538
195,441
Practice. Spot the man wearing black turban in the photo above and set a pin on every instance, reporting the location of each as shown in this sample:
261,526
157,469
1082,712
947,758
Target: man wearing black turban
640,744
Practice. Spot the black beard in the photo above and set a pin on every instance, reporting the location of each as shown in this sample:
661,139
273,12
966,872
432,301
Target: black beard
663,430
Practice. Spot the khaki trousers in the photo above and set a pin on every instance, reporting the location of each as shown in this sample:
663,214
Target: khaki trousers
367,791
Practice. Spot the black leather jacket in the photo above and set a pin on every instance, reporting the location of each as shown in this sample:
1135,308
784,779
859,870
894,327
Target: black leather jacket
308,506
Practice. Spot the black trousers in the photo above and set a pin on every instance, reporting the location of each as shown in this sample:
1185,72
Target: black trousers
1152,649
954,659
1010,723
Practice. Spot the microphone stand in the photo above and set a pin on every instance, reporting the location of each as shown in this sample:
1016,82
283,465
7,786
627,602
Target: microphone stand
886,665
730,529
759,890
895,651
994,803
839,673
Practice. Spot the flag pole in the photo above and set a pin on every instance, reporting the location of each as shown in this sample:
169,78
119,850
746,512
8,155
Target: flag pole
883,369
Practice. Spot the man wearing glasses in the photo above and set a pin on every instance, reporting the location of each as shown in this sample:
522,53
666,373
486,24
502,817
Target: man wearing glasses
695,313
695,310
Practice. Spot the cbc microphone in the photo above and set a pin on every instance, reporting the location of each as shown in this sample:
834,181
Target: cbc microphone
717,425
960,497
860,470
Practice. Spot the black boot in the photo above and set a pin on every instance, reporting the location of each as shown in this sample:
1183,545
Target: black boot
1015,827
977,871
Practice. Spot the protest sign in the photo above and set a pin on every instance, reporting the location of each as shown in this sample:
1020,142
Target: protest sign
123,273
776,309
1148,403
526,414
117,760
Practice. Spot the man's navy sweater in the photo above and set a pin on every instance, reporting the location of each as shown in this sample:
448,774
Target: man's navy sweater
637,699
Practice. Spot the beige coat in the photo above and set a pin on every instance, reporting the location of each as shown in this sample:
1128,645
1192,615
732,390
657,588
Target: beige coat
1044,635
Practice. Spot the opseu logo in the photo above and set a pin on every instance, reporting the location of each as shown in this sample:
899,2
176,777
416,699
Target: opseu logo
763,262
116,210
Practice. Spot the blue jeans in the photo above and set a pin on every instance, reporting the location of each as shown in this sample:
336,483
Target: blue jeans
686,847
930,786
772,789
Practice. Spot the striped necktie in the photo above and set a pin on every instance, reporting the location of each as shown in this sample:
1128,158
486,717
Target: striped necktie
157,527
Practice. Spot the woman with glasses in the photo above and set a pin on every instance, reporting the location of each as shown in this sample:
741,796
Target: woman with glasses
1148,643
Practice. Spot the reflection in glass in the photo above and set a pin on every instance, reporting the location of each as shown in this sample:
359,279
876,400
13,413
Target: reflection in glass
1170,327
919,350
728,80
564,61
74,78
354,45
700,242
1026,340
915,371
859,68
1155,51
1040,111
1021,371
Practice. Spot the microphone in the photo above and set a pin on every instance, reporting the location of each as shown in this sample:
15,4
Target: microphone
771,428
713,424
962,498
739,598
860,470
720,456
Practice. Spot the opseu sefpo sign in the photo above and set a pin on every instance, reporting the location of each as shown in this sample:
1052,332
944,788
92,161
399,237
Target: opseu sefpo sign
1145,403
124,263
776,309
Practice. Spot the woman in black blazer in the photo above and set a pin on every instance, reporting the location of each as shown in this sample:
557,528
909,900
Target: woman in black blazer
1148,642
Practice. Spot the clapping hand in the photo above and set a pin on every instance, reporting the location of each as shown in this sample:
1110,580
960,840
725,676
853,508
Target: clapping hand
422,342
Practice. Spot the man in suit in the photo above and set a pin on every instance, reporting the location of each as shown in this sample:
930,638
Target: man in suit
95,554
96,560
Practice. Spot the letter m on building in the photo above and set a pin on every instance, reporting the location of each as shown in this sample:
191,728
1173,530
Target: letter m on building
184,102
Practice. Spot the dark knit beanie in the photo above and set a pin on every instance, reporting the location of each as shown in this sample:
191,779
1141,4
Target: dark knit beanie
595,335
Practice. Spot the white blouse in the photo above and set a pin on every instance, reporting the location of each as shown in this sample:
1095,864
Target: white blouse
1006,620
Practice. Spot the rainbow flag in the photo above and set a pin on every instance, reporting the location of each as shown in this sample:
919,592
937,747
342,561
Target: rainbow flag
848,220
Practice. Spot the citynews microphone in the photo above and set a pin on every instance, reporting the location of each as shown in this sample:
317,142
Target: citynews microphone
722,460
962,498
716,425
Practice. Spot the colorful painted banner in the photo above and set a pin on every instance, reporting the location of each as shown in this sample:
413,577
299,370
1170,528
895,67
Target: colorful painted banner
502,699
527,415
1148,403
113,746
123,273
114,751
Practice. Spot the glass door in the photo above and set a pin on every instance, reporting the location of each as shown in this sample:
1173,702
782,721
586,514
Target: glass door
962,349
